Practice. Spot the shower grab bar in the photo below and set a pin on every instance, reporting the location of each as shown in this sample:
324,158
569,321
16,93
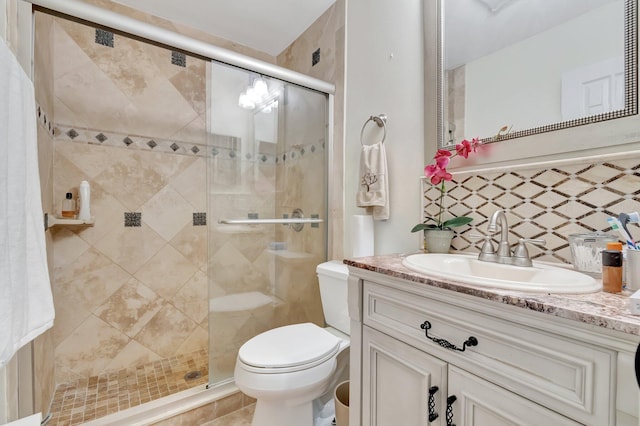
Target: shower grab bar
268,221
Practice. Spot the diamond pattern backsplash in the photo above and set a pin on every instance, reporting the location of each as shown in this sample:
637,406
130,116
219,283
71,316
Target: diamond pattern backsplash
548,203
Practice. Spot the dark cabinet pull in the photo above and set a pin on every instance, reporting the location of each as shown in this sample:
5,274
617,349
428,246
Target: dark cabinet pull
432,403
471,341
450,400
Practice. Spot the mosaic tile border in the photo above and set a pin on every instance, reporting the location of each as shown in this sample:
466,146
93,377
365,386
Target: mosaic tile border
43,120
222,147
542,202
133,142
300,151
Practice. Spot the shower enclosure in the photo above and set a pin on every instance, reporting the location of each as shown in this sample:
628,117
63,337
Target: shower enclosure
209,210
267,202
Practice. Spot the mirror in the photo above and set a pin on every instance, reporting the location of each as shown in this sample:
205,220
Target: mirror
534,66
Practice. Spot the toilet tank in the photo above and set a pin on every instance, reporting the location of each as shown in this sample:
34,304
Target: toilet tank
332,277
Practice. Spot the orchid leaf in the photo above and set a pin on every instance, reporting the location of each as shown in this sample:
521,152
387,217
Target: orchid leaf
447,224
423,226
456,221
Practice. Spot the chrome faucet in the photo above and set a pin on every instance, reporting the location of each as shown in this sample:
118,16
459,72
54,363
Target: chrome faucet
504,250
517,257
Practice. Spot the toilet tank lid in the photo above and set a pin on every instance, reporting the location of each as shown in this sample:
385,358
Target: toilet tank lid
333,268
289,346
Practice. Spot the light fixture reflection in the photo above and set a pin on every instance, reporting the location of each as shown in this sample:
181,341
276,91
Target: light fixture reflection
260,88
245,101
255,94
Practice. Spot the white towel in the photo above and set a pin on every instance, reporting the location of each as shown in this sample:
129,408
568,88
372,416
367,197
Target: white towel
26,303
373,189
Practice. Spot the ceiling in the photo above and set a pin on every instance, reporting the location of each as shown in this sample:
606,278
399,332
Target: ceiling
268,26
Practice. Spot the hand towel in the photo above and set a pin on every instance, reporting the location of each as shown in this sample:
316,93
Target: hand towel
26,303
373,190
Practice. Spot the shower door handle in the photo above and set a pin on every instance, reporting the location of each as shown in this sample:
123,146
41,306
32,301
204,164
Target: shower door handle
268,221
297,218
295,222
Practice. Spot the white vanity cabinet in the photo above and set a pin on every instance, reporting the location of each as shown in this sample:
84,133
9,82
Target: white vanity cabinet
405,386
528,368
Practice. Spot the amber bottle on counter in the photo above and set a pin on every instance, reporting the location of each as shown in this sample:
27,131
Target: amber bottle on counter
612,268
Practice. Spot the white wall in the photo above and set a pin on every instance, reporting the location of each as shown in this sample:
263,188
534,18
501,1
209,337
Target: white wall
385,74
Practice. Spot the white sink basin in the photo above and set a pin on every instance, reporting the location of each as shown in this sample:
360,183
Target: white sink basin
540,278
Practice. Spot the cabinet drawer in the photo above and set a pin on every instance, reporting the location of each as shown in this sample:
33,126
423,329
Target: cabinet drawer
559,373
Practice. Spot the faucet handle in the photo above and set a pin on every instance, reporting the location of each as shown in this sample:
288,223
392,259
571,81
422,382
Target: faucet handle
487,248
521,254
478,236
537,241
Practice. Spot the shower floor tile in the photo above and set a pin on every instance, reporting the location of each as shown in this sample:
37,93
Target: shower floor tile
97,396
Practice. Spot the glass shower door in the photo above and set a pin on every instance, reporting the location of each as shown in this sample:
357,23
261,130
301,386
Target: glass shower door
267,201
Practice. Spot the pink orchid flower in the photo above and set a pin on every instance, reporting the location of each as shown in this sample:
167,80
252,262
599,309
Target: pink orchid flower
464,148
439,175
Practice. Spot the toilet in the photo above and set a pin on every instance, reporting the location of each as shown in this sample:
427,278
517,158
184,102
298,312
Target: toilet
288,368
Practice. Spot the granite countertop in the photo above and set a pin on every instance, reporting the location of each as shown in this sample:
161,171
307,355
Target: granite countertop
600,309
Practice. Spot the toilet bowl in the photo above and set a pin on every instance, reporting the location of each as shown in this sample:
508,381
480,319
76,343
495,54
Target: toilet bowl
285,369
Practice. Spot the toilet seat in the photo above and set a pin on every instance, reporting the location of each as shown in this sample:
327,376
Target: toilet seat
288,349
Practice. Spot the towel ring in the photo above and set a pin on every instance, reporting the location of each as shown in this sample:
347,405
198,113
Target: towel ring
381,121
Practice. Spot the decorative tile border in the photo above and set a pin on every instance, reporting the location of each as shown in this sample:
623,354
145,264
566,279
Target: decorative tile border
134,142
44,121
221,147
545,202
300,151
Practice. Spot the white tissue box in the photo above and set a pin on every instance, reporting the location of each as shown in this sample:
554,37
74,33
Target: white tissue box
634,303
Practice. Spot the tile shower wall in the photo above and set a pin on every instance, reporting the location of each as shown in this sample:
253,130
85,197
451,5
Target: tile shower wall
180,29
132,124
548,202
132,294
328,35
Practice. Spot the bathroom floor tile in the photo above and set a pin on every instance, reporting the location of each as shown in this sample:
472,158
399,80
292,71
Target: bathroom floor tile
240,417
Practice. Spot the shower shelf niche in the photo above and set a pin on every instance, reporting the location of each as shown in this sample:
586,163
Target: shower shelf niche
51,221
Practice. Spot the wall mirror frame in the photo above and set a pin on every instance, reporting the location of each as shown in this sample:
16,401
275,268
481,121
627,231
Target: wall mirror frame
550,133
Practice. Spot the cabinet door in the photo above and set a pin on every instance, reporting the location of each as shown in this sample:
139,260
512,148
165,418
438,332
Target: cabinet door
396,383
481,403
